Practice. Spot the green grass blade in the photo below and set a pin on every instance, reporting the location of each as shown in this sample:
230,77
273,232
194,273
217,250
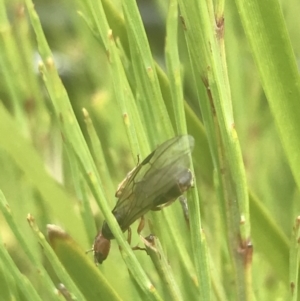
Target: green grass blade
271,48
73,136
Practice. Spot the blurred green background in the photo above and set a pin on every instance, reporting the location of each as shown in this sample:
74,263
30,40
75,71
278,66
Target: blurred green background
31,140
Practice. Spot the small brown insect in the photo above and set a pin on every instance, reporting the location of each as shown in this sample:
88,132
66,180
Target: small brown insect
154,183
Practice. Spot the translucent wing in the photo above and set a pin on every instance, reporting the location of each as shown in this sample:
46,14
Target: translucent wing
151,183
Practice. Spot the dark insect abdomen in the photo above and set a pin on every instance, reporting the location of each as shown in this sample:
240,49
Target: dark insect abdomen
184,182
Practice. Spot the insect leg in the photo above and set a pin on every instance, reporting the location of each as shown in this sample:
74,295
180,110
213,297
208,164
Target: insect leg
139,230
160,207
129,236
185,209
141,225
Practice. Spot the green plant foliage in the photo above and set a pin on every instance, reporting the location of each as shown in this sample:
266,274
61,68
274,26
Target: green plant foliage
89,88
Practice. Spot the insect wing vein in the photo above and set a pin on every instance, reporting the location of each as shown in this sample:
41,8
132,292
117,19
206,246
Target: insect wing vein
152,178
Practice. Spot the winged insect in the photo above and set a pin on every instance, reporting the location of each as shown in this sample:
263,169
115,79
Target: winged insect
154,183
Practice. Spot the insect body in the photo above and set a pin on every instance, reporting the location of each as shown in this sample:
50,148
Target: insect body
154,183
